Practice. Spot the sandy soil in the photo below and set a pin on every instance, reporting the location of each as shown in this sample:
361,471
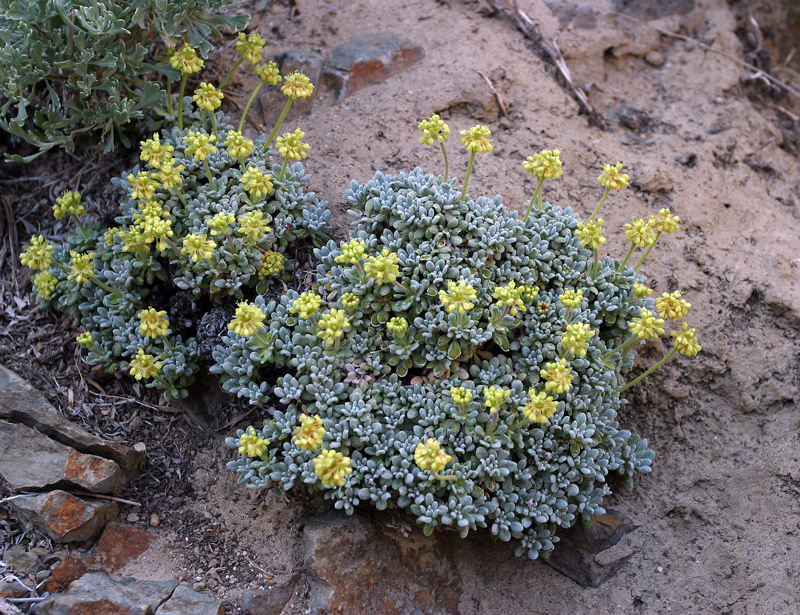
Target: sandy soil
718,517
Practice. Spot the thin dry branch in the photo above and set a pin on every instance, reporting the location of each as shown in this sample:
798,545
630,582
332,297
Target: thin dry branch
495,92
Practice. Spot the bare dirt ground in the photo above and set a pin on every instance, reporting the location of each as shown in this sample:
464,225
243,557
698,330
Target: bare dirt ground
719,526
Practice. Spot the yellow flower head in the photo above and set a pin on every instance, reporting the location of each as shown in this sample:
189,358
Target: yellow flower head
273,263
461,396
352,251
458,297
476,139
430,456
398,326
45,283
576,338
308,435
86,340
238,146
647,326
135,240
558,376
144,365
38,255
152,323
664,222
640,233
82,267
531,292
332,326
251,444
297,85
186,60
247,319
672,306
350,302
331,468
540,407
384,268
256,182
290,145
571,299
591,234
495,397
685,341
612,178
268,72
69,203
544,165
198,144
640,290
306,305
250,47
169,175
198,246
433,130
510,295
252,226
142,186
155,152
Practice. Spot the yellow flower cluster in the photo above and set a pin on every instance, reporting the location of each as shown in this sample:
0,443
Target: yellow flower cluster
155,152
640,233
398,326
384,267
81,267
274,262
647,326
575,338
640,290
545,165
308,435
331,468
531,292
256,182
458,297
199,145
251,444
253,226
134,240
297,85
142,186
352,251
198,246
672,306
86,340
460,395
208,97
558,376
268,72
45,283
664,222
169,175
430,456
238,146
250,47
495,397
571,299
144,365
433,130
218,223
350,301
186,60
540,407
611,177
476,139
247,319
685,341
69,203
152,323
591,234
510,295
306,305
38,255
332,326
290,145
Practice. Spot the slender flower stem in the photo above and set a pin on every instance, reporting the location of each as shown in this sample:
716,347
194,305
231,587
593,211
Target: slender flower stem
644,256
596,264
241,162
208,174
230,72
180,102
445,476
170,108
649,371
279,122
180,196
466,179
495,416
628,255
283,169
405,289
626,345
600,204
446,163
533,200
102,285
250,102
214,124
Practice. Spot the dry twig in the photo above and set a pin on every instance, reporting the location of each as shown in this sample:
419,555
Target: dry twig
496,94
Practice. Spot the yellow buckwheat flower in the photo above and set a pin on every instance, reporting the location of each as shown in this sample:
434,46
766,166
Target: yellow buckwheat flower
672,306
640,233
575,338
208,97
685,341
251,444
433,130
38,255
476,139
247,319
640,290
460,395
290,145
144,365
331,468
135,240
306,305
142,186
664,222
558,376
169,175
86,340
297,85
545,165
186,60
398,326
591,234
383,267
197,246
332,326
256,182
458,297
352,251
199,145
45,283
82,267
308,435
250,47
571,299
273,263
540,407
252,226
430,456
495,397
647,326
350,301
218,223
155,152
510,295
152,323
531,292
237,145
612,178
268,72
69,203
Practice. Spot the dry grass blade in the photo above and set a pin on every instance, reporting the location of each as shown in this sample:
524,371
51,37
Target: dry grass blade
495,92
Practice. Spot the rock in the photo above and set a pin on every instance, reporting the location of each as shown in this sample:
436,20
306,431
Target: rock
53,464
636,119
121,544
578,555
69,570
268,601
367,60
9,588
65,517
652,178
655,58
95,593
356,566
21,403
154,520
22,561
646,10
132,518
185,601
573,15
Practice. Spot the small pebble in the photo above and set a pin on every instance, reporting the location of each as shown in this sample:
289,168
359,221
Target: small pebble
154,520
659,569
42,575
140,447
655,58
132,518
198,587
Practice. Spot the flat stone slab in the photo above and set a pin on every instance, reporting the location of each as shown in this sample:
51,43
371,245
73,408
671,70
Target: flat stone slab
30,461
64,517
185,601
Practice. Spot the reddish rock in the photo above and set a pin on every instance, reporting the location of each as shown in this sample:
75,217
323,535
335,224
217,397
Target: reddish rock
9,588
65,517
268,601
367,60
356,566
185,601
69,570
120,545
